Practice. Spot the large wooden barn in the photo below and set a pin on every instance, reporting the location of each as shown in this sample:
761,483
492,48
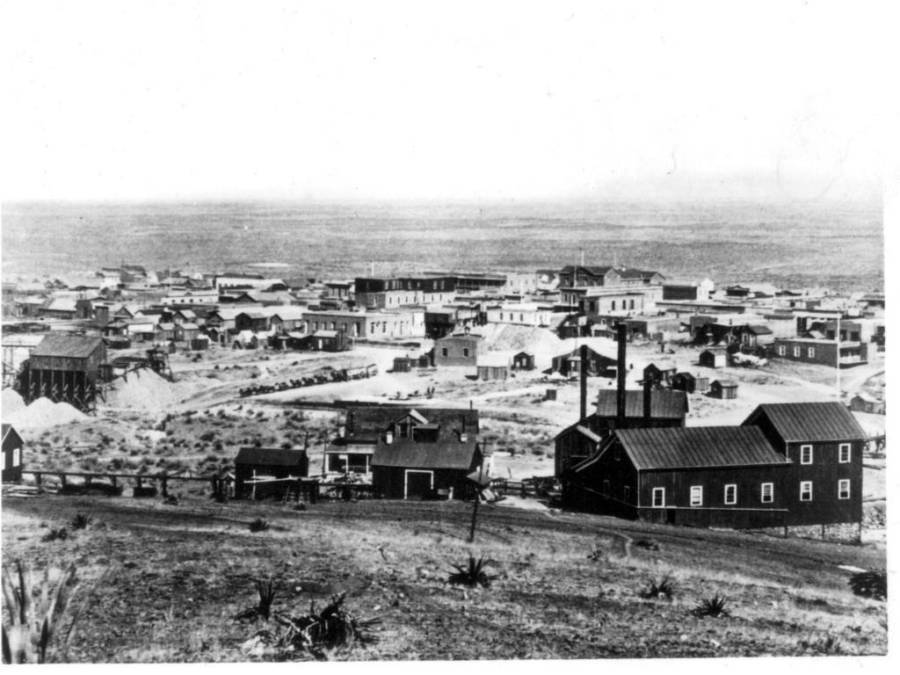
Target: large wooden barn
403,468
262,463
702,476
64,368
824,444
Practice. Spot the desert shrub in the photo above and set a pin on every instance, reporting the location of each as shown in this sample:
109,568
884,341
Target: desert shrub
56,534
80,521
822,645
331,627
471,574
259,525
714,606
657,588
208,436
648,544
870,584
29,621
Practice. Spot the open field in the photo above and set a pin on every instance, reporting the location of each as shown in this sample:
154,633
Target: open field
161,582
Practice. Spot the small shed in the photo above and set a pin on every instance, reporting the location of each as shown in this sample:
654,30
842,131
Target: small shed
493,366
523,361
723,389
256,463
402,364
12,454
714,358
684,382
406,469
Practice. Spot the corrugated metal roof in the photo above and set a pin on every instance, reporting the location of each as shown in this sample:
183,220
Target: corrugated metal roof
698,447
270,456
69,346
663,403
447,454
815,421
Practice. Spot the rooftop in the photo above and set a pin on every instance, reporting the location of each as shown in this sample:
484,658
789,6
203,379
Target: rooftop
664,403
69,346
815,422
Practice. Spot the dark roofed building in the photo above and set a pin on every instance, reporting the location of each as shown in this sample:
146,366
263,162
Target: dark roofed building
702,476
665,406
824,444
12,454
65,368
403,468
267,463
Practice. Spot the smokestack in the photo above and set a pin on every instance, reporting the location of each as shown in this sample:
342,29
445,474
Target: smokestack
648,397
620,376
584,369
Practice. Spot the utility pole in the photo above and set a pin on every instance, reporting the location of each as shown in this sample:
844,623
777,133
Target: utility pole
837,336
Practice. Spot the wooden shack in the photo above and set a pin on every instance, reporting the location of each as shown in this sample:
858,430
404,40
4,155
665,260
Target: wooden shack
260,463
405,469
12,454
714,358
523,361
64,368
723,389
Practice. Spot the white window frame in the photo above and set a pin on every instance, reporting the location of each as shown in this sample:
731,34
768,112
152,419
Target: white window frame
782,350
733,500
662,492
16,457
844,488
805,448
696,495
762,493
844,447
803,486
810,352
796,352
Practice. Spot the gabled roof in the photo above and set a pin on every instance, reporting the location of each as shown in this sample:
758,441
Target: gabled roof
725,383
444,454
14,438
368,421
757,329
70,346
697,447
815,422
270,456
664,403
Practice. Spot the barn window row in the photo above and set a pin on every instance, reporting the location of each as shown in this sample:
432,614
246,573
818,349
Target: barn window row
730,493
806,454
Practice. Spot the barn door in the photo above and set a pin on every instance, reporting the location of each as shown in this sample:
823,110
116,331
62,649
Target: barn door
418,484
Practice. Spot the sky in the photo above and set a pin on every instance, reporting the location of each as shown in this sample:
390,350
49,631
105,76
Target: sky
442,100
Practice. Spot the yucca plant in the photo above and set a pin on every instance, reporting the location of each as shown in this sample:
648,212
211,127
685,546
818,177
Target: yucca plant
265,591
29,622
56,534
332,626
714,606
659,588
471,574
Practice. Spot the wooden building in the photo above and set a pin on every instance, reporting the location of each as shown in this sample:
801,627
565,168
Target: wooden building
700,476
12,454
689,383
824,444
457,350
714,358
581,440
597,364
406,468
822,351
862,402
723,389
64,368
261,463
367,424
523,361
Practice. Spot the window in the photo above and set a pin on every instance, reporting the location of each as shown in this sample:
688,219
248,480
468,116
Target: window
810,352
465,351
731,494
805,490
632,304
696,495
844,488
844,453
17,459
659,497
806,454
796,352
626,492
613,306
443,351
782,350
767,493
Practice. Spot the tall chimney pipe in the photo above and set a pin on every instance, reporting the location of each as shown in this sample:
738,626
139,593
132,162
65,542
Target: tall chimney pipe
621,367
648,398
584,373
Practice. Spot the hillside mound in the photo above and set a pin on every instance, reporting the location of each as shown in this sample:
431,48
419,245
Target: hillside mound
11,402
509,338
45,413
142,390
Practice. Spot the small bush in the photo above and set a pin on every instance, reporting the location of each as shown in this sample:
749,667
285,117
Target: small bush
648,544
259,525
80,521
328,628
659,588
714,606
823,645
471,574
871,584
60,534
